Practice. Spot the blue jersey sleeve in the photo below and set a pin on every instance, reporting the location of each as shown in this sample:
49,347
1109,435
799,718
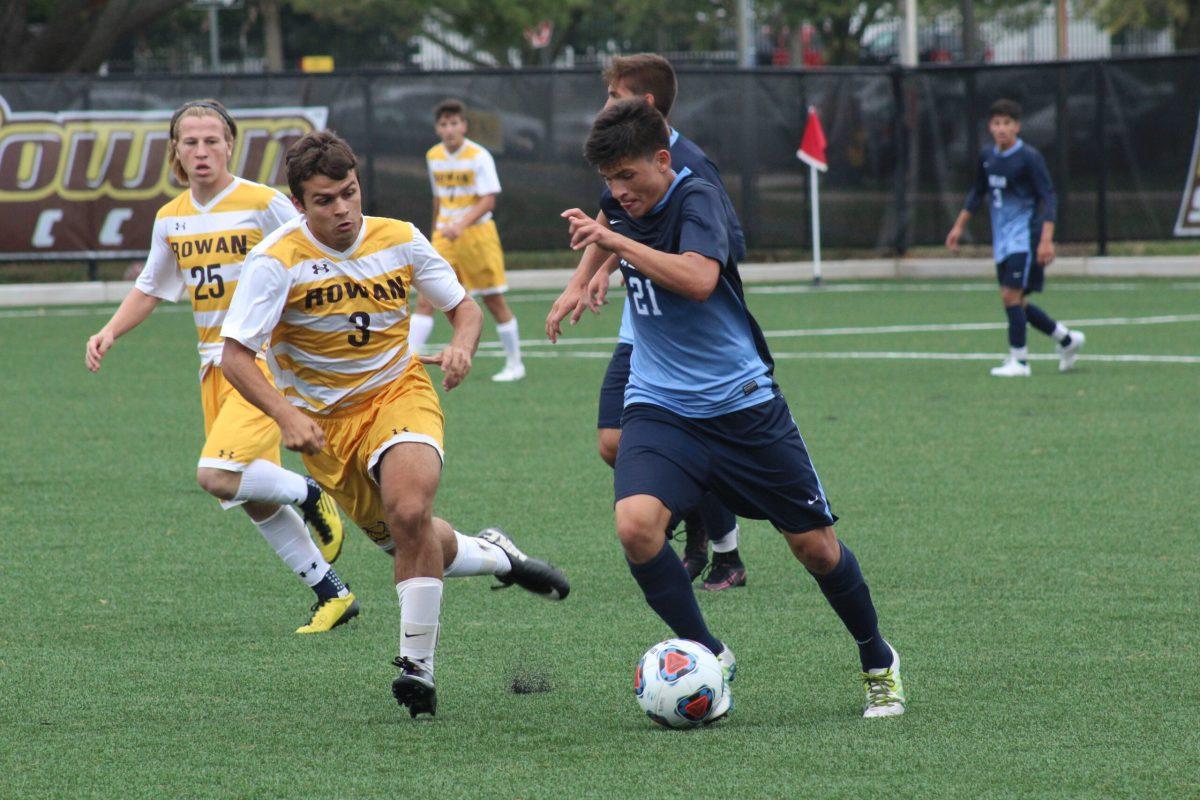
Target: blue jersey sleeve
979,188
702,227
1043,189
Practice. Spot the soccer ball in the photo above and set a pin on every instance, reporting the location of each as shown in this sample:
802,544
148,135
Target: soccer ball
678,683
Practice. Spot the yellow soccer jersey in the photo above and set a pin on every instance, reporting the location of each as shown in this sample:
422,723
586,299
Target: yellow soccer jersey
337,323
460,178
202,248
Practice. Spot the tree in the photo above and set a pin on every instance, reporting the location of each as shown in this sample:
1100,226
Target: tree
70,35
1182,16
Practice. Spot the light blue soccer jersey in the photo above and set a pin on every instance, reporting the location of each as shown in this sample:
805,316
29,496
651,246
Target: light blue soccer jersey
1019,193
697,359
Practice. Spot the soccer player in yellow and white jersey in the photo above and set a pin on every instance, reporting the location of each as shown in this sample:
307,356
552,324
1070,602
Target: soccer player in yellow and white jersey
199,243
464,181
328,295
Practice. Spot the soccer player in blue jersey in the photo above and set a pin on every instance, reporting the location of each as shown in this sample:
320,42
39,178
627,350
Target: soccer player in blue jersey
702,410
651,77
1013,179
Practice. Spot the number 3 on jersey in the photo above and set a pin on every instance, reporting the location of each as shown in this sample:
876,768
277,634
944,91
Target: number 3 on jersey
361,320
641,291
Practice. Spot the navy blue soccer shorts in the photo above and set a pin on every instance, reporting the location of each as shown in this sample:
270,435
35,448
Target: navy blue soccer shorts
1021,271
612,391
754,460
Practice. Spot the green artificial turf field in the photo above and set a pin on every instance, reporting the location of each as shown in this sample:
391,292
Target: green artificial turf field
1031,546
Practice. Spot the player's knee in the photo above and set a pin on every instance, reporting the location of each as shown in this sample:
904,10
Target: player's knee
408,519
220,483
818,550
638,536
608,441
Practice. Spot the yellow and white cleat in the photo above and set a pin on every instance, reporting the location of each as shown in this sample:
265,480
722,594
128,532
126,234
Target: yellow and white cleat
885,690
323,520
329,614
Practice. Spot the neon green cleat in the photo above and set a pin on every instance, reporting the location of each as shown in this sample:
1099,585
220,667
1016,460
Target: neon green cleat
331,613
885,690
324,523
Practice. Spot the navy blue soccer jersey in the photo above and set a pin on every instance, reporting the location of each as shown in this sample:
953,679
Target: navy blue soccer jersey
697,359
1018,190
686,154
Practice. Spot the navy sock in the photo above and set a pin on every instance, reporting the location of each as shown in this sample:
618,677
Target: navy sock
847,592
1040,319
1016,326
668,591
718,520
329,587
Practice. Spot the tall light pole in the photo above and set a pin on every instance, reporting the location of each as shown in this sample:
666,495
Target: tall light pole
908,50
745,34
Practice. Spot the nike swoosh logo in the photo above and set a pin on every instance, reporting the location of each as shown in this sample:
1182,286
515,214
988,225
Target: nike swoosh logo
411,635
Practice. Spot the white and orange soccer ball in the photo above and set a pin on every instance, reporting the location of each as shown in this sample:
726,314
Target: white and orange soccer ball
678,683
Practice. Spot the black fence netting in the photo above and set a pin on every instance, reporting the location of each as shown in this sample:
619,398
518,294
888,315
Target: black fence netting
83,168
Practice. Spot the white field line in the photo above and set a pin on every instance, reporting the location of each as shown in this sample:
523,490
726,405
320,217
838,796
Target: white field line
883,288
886,355
1164,319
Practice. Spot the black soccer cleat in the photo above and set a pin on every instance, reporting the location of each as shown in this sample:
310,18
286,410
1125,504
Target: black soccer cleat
414,688
695,548
531,574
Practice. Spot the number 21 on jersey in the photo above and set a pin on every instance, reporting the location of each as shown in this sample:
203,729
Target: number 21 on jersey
641,293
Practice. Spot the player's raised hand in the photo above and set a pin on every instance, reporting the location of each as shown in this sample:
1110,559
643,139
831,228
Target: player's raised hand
97,346
585,230
301,433
455,363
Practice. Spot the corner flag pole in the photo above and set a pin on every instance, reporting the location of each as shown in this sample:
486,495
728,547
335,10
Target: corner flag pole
812,152
815,202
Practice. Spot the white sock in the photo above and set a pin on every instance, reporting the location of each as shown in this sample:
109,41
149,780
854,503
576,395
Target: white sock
1019,353
510,340
420,608
419,328
727,543
1060,332
285,532
264,482
477,557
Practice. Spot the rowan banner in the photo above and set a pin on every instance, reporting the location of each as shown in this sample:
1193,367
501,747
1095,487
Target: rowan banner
1188,221
87,184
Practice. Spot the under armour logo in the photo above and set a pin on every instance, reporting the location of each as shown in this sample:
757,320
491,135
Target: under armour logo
320,269
180,226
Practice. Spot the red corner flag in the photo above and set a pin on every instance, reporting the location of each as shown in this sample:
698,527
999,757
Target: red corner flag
812,147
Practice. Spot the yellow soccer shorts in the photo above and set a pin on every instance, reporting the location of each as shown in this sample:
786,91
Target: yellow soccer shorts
356,438
476,257
236,432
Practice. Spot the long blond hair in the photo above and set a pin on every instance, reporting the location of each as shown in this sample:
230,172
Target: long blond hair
206,107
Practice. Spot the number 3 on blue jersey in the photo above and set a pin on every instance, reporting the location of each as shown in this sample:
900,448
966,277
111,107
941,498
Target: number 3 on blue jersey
641,291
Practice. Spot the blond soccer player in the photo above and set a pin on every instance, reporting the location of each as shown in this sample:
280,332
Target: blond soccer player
199,243
463,176
328,295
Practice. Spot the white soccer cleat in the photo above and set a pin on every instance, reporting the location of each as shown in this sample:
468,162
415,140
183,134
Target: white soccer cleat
722,708
510,373
885,690
1012,369
1068,354
728,664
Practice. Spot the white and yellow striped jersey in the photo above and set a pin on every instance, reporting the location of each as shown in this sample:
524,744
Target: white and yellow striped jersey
203,247
460,178
336,323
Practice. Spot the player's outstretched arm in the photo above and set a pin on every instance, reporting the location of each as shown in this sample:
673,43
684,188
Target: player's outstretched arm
455,358
572,302
300,432
132,312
